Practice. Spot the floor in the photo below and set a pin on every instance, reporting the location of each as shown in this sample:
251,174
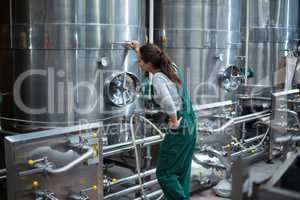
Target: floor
206,195
259,172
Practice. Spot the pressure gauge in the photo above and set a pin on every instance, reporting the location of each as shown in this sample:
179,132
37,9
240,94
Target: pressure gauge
122,89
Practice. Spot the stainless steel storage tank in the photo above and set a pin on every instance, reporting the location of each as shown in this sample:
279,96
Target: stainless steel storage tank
64,53
204,37
273,28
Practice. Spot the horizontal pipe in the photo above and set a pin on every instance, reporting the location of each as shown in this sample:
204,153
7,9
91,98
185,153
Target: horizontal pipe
2,171
130,190
134,177
212,105
252,157
208,164
31,171
238,120
253,139
296,138
116,149
285,92
151,195
239,153
254,98
2,177
267,99
138,142
286,139
152,142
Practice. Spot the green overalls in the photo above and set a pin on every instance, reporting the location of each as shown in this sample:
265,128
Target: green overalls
176,151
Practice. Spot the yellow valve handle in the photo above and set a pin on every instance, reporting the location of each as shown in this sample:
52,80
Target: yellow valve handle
94,187
114,180
94,135
35,184
30,163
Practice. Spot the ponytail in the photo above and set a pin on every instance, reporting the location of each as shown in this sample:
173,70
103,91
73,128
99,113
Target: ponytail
159,59
168,69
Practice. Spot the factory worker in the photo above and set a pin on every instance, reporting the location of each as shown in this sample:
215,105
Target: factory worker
176,151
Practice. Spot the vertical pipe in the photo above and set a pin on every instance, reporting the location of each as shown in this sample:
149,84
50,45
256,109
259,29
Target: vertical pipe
247,39
151,21
11,24
151,32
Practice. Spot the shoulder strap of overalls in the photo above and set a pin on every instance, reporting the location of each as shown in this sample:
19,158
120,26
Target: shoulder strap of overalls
187,107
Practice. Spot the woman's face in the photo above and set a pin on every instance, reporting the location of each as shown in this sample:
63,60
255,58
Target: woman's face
147,67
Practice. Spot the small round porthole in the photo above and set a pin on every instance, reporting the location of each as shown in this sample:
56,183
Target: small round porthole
121,89
231,77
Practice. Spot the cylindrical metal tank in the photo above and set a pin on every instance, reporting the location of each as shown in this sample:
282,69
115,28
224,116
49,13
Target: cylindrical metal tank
273,28
203,36
64,53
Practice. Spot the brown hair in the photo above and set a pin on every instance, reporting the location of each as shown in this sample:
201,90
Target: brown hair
160,60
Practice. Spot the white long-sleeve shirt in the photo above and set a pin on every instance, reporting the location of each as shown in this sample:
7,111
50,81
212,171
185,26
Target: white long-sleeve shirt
166,94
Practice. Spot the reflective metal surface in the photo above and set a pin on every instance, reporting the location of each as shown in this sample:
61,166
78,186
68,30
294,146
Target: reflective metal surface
26,151
202,36
274,25
62,53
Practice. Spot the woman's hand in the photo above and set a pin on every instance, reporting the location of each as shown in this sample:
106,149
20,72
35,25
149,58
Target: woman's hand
173,122
135,45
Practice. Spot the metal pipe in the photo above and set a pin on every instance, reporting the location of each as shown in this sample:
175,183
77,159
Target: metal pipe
247,40
212,105
2,177
152,143
266,99
254,98
134,177
207,164
85,156
253,147
137,160
31,171
285,92
2,171
148,157
252,157
151,21
239,120
296,138
124,147
151,195
117,151
11,27
282,139
130,190
251,118
250,140
138,141
219,155
294,114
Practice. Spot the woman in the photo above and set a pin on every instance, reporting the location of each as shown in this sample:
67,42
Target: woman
176,151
